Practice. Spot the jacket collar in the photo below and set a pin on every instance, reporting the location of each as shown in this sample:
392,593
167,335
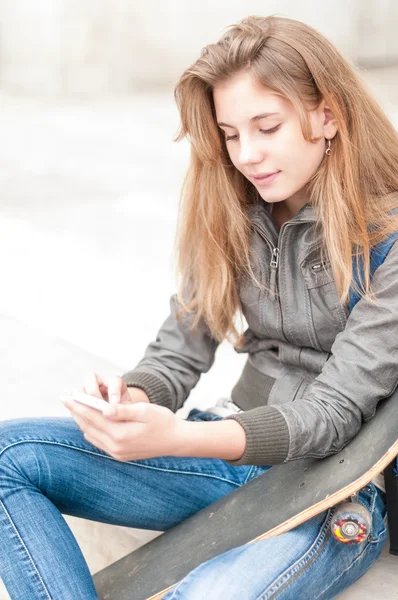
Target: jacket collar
258,208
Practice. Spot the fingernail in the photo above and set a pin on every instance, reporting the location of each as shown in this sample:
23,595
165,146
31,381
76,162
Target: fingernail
114,399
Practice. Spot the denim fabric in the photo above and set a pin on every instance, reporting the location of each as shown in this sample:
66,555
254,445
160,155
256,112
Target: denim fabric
47,468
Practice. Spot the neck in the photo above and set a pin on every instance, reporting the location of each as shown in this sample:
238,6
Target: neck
292,205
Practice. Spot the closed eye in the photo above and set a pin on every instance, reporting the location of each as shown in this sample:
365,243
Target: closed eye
263,131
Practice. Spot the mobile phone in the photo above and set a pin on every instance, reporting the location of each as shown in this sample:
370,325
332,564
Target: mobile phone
92,401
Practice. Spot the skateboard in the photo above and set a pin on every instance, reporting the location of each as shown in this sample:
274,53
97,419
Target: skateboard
271,504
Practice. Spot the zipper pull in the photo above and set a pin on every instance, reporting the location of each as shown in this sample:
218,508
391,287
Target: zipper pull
275,258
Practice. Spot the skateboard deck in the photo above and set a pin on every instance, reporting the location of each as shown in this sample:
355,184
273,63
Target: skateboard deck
271,504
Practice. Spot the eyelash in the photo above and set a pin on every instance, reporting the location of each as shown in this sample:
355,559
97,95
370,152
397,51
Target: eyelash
265,131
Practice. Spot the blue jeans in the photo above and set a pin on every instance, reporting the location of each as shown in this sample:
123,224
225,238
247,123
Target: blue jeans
47,468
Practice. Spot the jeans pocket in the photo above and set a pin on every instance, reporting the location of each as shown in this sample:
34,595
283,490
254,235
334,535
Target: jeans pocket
374,500
258,470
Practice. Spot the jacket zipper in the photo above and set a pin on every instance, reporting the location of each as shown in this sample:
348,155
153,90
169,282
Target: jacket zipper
275,251
274,264
274,256
274,271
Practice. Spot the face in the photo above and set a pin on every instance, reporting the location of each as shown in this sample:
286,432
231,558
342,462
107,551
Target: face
272,144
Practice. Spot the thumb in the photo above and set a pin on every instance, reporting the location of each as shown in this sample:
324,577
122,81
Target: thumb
128,412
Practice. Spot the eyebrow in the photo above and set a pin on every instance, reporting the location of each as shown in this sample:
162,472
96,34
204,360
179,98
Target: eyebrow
252,120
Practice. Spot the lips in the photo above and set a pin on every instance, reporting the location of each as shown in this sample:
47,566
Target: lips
264,175
267,180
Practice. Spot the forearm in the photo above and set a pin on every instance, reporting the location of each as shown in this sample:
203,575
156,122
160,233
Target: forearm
211,439
137,395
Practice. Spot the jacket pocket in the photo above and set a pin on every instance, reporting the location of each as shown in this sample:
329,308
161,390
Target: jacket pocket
317,273
328,315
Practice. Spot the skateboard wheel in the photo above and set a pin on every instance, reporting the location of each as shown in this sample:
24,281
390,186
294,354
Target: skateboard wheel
351,523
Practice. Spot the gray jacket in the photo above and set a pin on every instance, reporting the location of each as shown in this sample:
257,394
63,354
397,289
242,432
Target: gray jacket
314,372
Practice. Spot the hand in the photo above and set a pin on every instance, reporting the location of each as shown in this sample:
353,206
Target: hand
130,431
112,390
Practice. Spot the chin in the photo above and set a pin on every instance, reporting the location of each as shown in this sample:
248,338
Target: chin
277,196
272,198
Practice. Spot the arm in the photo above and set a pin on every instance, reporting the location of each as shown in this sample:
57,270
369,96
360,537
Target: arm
172,364
362,370
211,439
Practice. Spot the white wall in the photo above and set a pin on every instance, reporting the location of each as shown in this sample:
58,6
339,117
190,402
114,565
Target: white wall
89,47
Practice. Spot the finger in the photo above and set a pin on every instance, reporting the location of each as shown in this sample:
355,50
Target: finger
115,385
102,384
92,382
140,412
92,416
99,439
82,423
96,441
103,387
88,430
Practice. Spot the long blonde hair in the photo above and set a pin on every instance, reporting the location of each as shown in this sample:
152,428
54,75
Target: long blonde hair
351,190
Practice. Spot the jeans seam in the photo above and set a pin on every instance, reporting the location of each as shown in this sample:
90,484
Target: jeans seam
374,491
134,463
249,473
176,589
316,545
26,550
38,472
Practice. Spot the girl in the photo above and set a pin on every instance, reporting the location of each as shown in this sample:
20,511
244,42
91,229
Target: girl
294,171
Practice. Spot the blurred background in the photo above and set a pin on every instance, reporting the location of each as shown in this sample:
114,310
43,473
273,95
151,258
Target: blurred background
90,181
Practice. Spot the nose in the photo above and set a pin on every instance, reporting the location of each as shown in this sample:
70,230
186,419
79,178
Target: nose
249,152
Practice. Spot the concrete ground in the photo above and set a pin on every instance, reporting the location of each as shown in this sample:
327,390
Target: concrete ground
88,213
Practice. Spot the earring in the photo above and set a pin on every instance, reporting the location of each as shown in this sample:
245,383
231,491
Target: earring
327,151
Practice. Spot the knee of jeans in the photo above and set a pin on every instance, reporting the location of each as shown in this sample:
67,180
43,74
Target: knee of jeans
18,460
206,581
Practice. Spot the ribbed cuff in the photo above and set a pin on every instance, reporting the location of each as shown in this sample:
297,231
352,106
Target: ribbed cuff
267,436
154,387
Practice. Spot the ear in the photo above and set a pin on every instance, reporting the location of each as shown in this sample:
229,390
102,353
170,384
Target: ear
329,123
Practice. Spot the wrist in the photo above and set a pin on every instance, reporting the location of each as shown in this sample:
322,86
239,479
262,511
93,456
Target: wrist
137,394
211,439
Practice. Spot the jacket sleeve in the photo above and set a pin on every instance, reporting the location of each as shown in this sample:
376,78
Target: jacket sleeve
361,371
173,362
